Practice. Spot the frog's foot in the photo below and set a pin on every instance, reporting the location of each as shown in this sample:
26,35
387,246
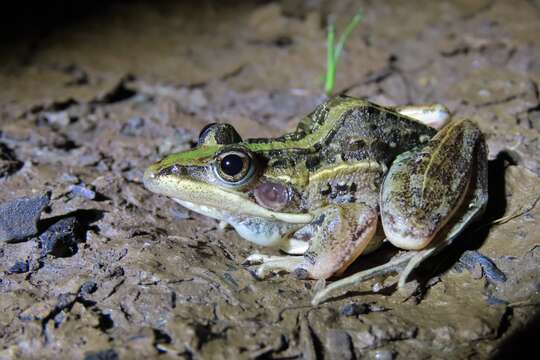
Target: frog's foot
288,264
272,264
435,115
257,258
404,265
337,286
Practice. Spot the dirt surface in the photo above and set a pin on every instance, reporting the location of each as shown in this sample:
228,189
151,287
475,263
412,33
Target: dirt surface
117,272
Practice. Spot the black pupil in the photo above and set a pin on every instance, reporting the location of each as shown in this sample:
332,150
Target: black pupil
232,164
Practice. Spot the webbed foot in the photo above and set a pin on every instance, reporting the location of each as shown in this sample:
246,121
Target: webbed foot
272,264
355,279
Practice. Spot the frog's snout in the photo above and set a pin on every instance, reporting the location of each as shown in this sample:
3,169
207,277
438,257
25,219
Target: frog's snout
149,177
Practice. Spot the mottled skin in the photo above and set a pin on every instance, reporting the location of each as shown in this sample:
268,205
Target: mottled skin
318,191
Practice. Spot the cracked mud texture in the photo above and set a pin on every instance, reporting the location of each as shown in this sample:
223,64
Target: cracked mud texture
92,97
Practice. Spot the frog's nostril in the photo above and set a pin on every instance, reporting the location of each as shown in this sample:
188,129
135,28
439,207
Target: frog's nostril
148,174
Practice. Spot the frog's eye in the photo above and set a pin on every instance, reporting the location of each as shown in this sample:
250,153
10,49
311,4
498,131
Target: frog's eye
234,167
218,134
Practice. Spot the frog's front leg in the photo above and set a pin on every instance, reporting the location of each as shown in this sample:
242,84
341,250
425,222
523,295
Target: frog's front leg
337,236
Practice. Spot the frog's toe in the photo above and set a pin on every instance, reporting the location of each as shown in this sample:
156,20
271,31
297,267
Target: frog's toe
301,273
342,285
276,264
255,259
408,289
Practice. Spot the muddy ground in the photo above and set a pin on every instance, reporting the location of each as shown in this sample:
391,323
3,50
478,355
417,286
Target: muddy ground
90,96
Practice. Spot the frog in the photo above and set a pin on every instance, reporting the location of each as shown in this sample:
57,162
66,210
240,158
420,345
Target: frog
351,176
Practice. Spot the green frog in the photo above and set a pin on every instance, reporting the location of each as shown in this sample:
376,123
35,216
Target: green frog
351,175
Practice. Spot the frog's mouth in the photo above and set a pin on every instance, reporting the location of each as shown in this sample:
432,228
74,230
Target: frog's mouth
214,201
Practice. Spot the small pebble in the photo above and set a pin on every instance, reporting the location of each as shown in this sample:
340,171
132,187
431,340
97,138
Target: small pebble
68,178
60,239
376,308
59,119
377,287
109,354
89,287
20,266
472,259
65,300
355,309
477,272
82,191
18,218
8,161
384,354
492,300
59,318
132,126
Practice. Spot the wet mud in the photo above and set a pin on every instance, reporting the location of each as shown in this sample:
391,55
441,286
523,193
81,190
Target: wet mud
93,266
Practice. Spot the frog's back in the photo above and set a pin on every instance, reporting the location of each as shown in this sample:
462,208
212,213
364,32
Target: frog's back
377,133
342,148
349,130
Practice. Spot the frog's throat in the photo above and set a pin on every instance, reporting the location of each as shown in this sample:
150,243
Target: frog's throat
216,202
258,230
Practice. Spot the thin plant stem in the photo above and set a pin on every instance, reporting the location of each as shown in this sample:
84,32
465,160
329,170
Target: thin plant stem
330,60
333,52
344,36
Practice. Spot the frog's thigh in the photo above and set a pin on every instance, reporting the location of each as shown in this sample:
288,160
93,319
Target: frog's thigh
425,187
435,115
337,237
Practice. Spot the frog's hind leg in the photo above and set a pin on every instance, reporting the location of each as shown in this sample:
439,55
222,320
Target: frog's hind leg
390,267
435,115
430,191
431,194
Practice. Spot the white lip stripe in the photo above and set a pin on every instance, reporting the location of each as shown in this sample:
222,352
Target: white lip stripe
219,200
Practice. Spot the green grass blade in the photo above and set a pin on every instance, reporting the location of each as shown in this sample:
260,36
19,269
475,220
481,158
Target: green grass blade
330,60
333,53
345,35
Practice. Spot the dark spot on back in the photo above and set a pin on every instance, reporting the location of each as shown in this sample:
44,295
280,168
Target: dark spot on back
342,187
312,161
355,144
282,163
326,191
